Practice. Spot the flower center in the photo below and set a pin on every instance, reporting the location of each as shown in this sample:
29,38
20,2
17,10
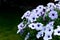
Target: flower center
50,5
52,14
49,29
33,18
36,10
38,25
58,31
44,10
37,14
21,26
40,7
48,36
32,25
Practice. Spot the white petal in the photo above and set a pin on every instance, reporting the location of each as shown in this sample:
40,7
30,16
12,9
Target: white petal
31,25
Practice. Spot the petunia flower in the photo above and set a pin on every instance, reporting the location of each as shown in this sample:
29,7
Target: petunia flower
58,6
39,26
53,15
32,18
40,7
42,10
57,31
39,34
51,5
48,31
32,25
51,23
20,27
35,12
49,28
47,37
26,15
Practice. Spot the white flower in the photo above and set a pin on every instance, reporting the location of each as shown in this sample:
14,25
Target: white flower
20,27
58,6
39,34
57,31
35,12
39,26
48,31
53,15
32,18
26,14
40,7
50,5
41,11
32,25
51,23
47,37
49,28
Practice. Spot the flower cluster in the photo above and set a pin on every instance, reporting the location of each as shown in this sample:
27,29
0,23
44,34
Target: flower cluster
32,18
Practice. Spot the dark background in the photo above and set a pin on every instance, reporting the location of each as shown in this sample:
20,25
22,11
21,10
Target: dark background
18,7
